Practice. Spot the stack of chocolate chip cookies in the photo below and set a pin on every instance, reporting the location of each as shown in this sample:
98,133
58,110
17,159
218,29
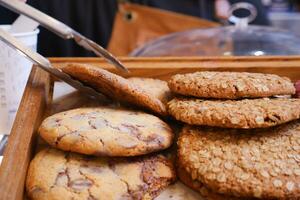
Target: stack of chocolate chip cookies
242,135
105,153
100,153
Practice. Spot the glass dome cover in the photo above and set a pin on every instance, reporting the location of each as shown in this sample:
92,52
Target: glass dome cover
240,39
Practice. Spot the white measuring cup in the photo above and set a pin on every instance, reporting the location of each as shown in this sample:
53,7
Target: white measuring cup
14,73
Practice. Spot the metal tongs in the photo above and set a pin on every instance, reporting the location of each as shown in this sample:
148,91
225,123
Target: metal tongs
45,64
61,30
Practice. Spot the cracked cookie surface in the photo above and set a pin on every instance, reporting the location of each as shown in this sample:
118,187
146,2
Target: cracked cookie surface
262,163
246,113
230,85
115,87
155,87
106,131
54,174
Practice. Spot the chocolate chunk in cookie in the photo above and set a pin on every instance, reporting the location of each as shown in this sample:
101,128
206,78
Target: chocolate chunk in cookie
54,174
106,131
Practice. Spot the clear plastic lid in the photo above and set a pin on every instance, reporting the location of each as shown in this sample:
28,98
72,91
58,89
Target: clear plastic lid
239,39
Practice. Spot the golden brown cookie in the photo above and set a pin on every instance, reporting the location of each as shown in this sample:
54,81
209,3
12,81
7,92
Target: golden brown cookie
54,174
262,163
157,88
196,185
115,87
106,131
230,85
179,191
246,113
205,192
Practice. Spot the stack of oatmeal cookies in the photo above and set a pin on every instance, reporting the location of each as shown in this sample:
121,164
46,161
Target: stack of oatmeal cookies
242,135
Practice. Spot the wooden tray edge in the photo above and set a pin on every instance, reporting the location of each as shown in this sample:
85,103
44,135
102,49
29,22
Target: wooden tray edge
21,141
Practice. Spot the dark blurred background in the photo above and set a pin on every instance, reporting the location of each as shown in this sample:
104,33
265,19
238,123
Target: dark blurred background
94,18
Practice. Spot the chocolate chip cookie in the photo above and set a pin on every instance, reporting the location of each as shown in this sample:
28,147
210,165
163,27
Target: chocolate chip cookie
246,113
106,131
115,87
262,163
230,85
157,88
54,174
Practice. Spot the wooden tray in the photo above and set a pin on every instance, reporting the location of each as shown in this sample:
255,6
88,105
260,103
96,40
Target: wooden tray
37,101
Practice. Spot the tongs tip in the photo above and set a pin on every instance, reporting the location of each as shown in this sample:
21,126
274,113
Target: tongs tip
124,69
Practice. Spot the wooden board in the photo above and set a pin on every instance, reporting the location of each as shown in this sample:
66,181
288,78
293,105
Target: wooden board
37,101
163,68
